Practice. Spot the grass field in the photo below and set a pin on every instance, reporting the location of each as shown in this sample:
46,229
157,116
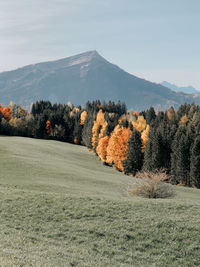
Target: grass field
60,206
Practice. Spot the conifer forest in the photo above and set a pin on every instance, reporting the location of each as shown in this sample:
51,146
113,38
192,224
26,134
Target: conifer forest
127,140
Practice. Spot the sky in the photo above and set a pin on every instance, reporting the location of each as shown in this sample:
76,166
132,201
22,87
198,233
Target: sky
157,40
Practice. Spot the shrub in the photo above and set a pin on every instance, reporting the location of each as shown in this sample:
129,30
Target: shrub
151,185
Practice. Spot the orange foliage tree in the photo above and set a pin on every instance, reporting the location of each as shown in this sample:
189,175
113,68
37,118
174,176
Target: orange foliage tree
6,113
102,148
75,141
118,146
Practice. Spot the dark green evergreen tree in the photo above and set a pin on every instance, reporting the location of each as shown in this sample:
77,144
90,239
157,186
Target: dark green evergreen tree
134,160
77,132
153,152
180,158
87,130
150,115
40,127
166,131
195,163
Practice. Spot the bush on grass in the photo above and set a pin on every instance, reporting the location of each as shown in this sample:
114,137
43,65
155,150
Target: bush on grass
151,185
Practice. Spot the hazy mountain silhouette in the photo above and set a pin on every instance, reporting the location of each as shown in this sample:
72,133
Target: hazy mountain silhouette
184,89
84,77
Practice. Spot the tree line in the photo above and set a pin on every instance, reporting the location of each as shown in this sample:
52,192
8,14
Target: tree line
127,140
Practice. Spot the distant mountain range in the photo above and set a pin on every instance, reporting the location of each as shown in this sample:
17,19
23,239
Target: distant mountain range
84,77
184,89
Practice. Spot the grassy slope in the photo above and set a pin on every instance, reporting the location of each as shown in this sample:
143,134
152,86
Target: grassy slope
59,206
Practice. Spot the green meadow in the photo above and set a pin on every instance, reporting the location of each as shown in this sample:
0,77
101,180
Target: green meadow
60,206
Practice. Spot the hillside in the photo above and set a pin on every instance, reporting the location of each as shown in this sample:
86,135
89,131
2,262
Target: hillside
84,77
61,207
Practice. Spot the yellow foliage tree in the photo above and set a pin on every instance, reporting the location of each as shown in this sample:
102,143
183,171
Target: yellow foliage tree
145,137
98,128
171,113
139,124
12,122
75,110
83,117
183,120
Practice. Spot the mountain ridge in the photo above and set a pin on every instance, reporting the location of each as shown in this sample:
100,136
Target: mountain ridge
184,89
83,77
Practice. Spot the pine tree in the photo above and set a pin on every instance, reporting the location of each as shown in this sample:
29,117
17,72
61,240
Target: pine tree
153,152
134,160
167,132
87,130
40,127
195,163
150,115
77,132
180,158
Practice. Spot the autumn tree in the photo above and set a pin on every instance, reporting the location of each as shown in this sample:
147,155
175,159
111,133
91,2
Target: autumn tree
102,148
140,124
6,113
48,127
118,146
183,121
171,114
98,128
83,117
145,137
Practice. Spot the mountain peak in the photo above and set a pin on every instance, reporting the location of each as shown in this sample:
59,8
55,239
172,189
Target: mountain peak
80,59
86,55
83,77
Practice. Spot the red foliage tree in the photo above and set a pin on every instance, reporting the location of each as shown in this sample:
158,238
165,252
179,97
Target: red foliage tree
48,127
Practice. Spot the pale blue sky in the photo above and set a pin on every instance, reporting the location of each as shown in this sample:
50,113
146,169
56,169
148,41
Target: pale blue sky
153,39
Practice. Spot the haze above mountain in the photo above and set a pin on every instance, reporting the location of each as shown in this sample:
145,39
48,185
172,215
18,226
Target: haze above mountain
184,89
83,77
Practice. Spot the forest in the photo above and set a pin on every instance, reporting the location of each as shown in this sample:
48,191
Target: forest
127,140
